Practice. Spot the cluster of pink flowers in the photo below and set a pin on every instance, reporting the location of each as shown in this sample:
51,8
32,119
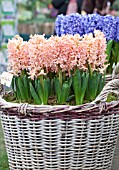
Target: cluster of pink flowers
41,56
18,57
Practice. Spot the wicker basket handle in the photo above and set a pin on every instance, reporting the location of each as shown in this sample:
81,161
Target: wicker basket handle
115,73
110,87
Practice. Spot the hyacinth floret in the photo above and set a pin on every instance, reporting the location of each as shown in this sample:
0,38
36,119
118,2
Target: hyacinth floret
72,24
109,27
58,24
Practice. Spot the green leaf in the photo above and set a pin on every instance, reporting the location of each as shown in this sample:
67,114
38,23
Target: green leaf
52,87
116,49
36,82
109,49
17,89
14,86
26,86
57,88
22,89
60,78
77,86
45,98
92,86
64,92
34,95
39,90
49,86
117,57
101,83
85,77
70,81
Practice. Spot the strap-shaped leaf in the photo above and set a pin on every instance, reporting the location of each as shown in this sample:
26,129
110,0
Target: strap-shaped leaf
26,86
57,88
101,83
85,77
14,86
116,49
64,92
109,49
39,90
45,91
22,88
77,86
34,95
92,87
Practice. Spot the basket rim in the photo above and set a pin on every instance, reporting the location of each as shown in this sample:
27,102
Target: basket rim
99,102
57,108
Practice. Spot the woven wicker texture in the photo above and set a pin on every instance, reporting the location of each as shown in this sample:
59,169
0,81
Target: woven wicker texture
57,144
108,78
62,137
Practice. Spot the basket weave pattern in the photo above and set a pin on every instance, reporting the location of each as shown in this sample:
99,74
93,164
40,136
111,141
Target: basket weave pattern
58,144
55,143
62,137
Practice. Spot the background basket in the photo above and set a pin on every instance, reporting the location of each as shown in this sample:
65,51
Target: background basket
62,137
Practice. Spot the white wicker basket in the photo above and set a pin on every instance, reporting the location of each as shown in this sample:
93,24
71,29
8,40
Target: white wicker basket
62,137
77,144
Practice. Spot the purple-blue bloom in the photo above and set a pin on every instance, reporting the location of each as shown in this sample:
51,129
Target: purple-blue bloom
78,24
117,30
72,25
58,24
91,22
109,27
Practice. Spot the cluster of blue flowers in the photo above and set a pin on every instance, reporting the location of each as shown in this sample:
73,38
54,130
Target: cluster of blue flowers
83,24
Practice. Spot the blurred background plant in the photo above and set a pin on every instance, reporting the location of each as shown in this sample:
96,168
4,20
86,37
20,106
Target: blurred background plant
37,9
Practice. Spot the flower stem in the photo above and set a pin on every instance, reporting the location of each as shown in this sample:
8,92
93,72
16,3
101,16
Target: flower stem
60,78
41,81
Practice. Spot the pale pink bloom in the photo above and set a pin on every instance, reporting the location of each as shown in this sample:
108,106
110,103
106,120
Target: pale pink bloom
95,47
68,52
18,56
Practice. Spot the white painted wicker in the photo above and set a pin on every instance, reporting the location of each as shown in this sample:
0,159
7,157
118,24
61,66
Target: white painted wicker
108,78
77,144
62,137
